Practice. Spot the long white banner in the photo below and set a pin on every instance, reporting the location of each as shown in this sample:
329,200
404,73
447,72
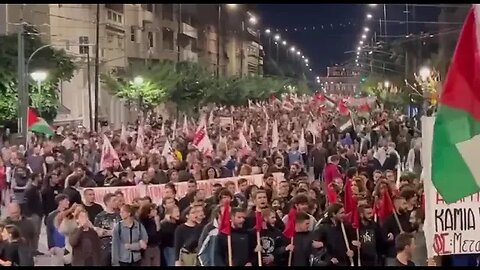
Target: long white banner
156,191
449,228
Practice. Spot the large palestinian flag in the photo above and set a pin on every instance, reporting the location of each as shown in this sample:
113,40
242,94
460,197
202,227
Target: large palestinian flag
37,124
456,136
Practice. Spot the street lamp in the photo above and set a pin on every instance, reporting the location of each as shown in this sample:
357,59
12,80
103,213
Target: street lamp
364,36
359,48
39,76
138,80
232,5
284,42
310,69
252,20
361,42
298,53
369,16
276,37
386,84
306,60
267,31
292,49
366,29
372,5
303,56
425,73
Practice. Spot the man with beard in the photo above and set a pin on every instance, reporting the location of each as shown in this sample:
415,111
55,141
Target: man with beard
296,172
272,241
302,204
330,233
240,198
105,221
364,167
371,238
405,248
242,242
319,157
279,165
373,161
268,180
261,202
391,227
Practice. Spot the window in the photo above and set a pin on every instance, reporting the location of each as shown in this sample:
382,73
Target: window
109,15
167,37
167,12
67,45
120,18
132,33
120,41
150,39
83,40
109,38
114,17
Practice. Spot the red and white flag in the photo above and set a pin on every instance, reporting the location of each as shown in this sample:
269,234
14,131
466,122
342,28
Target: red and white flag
245,147
201,140
108,154
168,152
342,108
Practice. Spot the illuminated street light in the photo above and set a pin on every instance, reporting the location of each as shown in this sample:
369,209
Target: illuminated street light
364,36
298,53
306,60
284,42
358,65
366,29
372,5
267,31
232,5
359,48
303,56
277,37
356,60
358,53
386,84
39,76
292,49
306,65
370,52
361,42
369,16
425,73
318,78
310,69
138,80
252,20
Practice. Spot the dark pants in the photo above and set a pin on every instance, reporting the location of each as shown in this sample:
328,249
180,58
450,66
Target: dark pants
130,264
317,172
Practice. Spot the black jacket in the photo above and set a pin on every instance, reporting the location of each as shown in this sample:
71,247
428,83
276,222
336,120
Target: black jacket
303,248
250,221
73,195
372,243
390,226
33,201
331,236
48,198
243,247
273,243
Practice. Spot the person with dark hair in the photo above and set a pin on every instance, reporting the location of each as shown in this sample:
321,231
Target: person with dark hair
405,248
106,221
371,237
50,189
242,242
56,240
85,242
206,252
411,198
33,208
168,227
17,252
186,238
92,208
318,158
73,194
391,228
129,238
302,203
331,170
240,197
188,199
268,182
303,243
149,218
329,231
272,240
261,202
25,225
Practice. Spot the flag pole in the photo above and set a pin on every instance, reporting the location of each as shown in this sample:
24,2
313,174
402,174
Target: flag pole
346,242
259,252
358,239
229,250
290,254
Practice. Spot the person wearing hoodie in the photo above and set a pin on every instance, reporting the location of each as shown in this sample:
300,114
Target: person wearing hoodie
371,237
272,240
129,238
242,242
331,170
329,232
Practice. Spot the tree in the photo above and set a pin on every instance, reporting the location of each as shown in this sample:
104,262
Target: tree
57,63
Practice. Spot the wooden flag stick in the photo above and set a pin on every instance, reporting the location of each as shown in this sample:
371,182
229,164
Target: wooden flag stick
229,250
290,254
259,252
397,220
346,242
358,239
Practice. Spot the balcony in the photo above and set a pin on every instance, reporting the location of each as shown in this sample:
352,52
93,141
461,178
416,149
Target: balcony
189,31
115,20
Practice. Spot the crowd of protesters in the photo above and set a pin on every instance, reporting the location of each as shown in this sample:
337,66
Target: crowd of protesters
341,196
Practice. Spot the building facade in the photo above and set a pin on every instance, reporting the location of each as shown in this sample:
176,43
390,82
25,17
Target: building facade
341,80
132,34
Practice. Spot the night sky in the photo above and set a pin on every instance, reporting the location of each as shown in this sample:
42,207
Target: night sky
342,26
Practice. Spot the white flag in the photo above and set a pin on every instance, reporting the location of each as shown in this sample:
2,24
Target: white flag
123,134
275,138
108,154
245,147
302,144
210,118
174,128
168,152
140,138
201,140
162,131
252,131
265,135
185,125
245,127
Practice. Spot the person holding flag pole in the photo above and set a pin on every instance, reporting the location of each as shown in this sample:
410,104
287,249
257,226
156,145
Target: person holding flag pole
289,232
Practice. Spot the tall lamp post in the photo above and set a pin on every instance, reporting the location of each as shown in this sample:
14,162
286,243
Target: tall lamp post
219,23
137,82
39,77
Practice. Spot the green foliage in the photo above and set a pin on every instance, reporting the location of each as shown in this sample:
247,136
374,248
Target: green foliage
191,86
56,63
392,97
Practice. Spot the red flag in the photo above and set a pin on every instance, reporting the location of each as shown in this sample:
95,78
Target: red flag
289,231
320,98
331,194
225,225
385,206
348,194
422,201
342,108
355,217
258,221
364,108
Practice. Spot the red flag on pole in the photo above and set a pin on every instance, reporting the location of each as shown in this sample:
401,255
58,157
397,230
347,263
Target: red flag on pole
348,194
225,226
258,221
289,231
342,108
355,217
331,194
385,206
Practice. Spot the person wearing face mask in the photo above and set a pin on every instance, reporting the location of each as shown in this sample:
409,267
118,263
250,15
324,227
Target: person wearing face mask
391,228
371,237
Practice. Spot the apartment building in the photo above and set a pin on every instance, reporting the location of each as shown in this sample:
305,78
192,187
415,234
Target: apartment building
341,80
136,34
